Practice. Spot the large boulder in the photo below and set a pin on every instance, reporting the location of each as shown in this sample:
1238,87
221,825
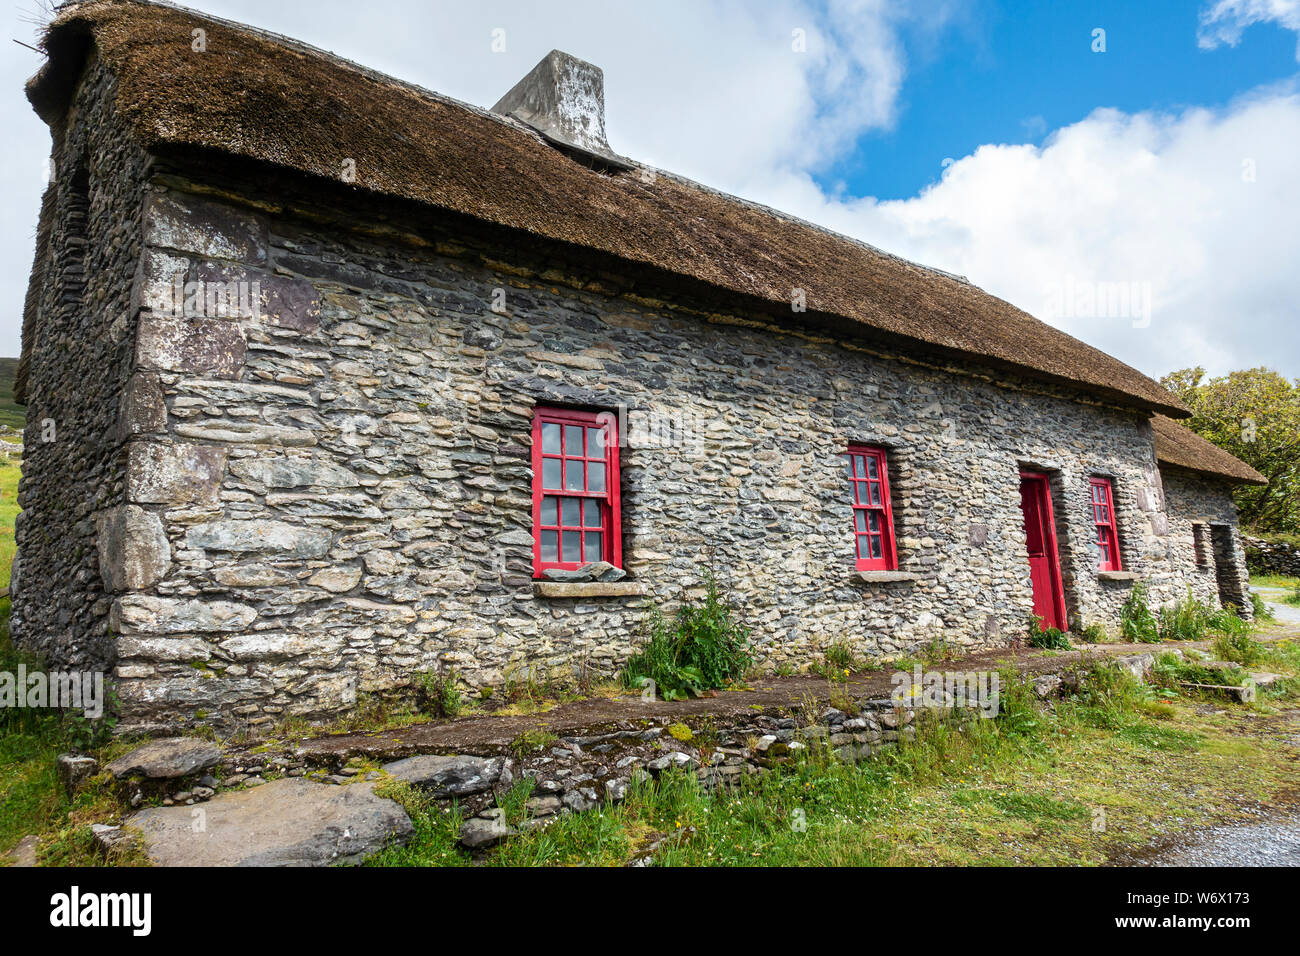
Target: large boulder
456,775
167,759
288,822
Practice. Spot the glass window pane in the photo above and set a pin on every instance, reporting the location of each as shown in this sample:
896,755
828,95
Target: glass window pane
571,549
550,546
550,438
572,475
860,466
871,467
860,492
860,520
550,473
875,492
592,545
596,476
595,442
862,546
573,439
875,545
569,510
549,514
873,521
590,513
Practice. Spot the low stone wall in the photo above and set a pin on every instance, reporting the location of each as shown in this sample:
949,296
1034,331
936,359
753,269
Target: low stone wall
1272,557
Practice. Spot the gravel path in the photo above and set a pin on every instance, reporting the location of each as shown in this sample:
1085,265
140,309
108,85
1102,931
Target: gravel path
1274,842
1285,613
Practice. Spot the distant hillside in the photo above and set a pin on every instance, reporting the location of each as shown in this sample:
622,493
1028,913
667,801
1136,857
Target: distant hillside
11,414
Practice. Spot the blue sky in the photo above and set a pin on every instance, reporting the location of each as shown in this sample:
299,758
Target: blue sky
1166,167
1014,72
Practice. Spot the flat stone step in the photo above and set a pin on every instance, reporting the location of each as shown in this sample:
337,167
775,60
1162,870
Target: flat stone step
1243,693
288,822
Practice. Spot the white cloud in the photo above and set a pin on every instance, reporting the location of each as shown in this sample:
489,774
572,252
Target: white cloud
1223,21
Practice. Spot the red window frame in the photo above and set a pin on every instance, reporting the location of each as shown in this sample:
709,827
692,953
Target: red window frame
1103,518
873,516
571,503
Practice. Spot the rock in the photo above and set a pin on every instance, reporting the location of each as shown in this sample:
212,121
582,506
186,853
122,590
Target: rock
546,806
174,474
111,839
455,775
257,535
480,833
287,822
336,580
601,571
166,759
1047,685
157,615
673,758
581,799
133,548
24,852
616,790
1139,665
72,769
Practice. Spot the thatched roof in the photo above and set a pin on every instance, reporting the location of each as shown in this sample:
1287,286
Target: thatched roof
265,98
1183,448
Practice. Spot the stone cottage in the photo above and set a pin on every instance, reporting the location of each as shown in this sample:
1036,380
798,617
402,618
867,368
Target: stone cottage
332,380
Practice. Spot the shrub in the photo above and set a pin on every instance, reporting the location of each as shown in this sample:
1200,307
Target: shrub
1048,638
1238,647
438,693
1187,620
701,647
1095,634
1262,610
1136,622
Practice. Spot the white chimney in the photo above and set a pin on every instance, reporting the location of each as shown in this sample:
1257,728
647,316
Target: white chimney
563,98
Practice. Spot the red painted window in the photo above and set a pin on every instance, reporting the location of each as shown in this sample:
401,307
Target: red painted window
1103,516
575,489
873,522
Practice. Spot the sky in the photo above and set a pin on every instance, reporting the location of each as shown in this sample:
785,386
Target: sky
1128,172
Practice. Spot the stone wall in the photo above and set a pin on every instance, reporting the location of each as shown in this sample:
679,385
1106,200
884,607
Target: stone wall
1272,557
330,492
1219,569
73,469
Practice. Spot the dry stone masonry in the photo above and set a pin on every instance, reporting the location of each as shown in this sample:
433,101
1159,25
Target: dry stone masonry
289,458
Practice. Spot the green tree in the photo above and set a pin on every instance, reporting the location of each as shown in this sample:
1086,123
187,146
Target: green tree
1255,415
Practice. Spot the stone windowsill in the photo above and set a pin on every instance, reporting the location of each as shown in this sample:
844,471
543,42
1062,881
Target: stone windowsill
885,577
1124,576
587,589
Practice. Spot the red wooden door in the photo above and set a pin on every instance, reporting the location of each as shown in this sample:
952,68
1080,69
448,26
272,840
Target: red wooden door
1040,542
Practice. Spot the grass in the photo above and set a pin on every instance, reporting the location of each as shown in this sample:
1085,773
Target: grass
9,474
1095,777
1279,581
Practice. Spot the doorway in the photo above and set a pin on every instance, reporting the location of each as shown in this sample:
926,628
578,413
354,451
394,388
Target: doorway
1040,543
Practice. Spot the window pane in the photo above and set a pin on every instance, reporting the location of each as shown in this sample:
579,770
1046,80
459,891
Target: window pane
862,546
872,471
860,466
571,550
550,438
573,439
550,473
860,492
550,546
570,507
860,520
548,514
572,475
875,545
596,476
875,492
873,521
590,513
592,545
595,442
